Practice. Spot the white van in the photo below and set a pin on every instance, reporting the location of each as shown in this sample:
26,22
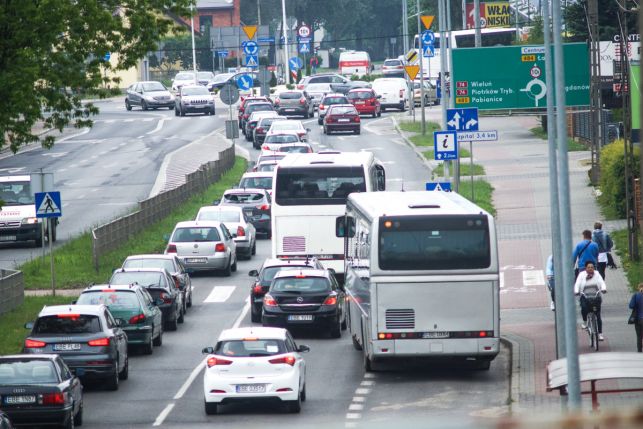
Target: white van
393,92
355,62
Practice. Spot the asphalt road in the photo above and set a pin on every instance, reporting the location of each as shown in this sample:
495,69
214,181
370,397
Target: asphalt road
165,389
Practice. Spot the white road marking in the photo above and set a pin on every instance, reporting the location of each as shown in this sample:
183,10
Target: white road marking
350,425
129,120
369,375
353,416
12,170
220,294
83,132
395,179
367,383
159,125
355,407
161,417
359,399
55,154
140,137
362,391
533,278
62,170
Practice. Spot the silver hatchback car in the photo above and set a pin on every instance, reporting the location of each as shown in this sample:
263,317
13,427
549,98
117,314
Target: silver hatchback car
237,222
204,246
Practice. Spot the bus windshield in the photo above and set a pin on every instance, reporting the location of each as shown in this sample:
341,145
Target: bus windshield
434,242
299,186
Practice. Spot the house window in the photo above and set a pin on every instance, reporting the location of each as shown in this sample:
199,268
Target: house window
205,21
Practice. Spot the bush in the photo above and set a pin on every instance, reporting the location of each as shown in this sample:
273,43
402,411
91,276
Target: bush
612,181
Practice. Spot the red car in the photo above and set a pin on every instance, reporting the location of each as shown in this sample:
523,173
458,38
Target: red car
365,101
246,101
342,117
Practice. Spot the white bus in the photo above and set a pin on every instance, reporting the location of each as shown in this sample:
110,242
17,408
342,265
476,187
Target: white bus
421,277
309,193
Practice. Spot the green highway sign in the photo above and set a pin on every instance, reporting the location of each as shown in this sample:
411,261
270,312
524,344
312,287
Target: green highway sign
513,77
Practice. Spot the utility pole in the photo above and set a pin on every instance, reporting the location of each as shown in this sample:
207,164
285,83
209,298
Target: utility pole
421,56
285,36
196,79
476,21
258,14
405,26
464,14
595,89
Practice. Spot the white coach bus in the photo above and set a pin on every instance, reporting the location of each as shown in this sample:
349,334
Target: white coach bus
309,193
421,277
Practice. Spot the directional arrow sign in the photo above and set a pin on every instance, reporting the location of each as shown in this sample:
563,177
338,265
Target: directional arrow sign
412,71
250,30
427,20
245,82
295,63
250,48
462,119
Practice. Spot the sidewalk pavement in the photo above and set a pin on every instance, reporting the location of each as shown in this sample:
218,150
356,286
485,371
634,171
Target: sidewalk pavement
517,167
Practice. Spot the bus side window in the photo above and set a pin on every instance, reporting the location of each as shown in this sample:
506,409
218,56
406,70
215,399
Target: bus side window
380,178
340,226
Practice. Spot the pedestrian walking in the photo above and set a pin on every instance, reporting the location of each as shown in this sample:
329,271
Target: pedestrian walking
549,273
588,284
605,244
636,305
314,62
585,251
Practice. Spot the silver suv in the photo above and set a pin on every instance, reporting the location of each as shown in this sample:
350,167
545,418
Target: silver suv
294,103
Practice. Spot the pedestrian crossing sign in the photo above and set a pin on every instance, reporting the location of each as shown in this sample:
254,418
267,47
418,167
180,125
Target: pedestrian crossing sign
48,204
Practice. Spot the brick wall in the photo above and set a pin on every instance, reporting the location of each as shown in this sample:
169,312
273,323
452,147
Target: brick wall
12,291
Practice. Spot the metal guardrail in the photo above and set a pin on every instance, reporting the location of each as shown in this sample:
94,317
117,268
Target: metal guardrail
109,236
12,290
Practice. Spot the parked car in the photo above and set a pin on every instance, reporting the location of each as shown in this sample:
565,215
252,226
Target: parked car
393,92
254,107
365,101
252,121
265,275
329,100
342,117
39,390
141,316
255,203
87,337
204,246
259,363
430,93
193,98
148,95
286,125
183,78
260,131
305,298
274,140
393,68
238,222
317,91
294,103
172,264
296,148
160,285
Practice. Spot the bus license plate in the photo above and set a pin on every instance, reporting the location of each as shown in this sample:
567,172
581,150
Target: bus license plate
251,388
22,399
435,335
300,317
7,238
66,347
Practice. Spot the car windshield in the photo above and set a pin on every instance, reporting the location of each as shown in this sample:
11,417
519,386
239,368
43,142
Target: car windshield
195,90
286,126
342,110
153,86
334,100
318,87
184,76
37,371
16,193
189,235
266,122
205,75
67,323
141,277
269,273
243,197
220,215
295,149
222,77
267,167
302,284
256,182
168,264
264,158
282,138
258,107
290,95
250,348
111,298
391,63
360,95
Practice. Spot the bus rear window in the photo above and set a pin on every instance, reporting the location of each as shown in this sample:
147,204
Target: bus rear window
298,186
434,243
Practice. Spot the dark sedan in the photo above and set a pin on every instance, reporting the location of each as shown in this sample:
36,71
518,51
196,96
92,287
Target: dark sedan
342,117
39,390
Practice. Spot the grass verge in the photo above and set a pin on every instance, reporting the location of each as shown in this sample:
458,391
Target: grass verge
73,261
482,193
12,324
633,269
572,145
465,170
416,127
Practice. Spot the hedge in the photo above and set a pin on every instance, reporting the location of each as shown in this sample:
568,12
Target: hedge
612,181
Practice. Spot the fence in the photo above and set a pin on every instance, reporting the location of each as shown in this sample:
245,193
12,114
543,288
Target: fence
12,290
109,236
581,126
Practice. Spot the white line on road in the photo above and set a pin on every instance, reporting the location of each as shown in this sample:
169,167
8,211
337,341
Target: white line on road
220,294
367,383
353,416
83,132
159,125
190,380
362,391
161,417
359,399
355,407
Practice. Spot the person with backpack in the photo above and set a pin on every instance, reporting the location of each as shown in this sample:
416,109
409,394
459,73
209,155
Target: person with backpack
605,244
585,251
636,305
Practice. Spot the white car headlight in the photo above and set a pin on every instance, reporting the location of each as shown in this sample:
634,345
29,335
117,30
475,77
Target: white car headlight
30,220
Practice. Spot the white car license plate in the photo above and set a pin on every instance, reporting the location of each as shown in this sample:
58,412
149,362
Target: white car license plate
21,399
343,120
7,238
251,388
359,102
66,346
195,260
290,110
300,317
435,335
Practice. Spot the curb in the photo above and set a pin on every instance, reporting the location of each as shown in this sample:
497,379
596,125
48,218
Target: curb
409,143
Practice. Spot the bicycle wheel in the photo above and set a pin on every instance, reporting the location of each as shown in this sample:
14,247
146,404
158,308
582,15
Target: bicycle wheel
592,323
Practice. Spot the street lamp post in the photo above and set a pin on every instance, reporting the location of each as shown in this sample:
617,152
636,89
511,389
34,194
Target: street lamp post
193,46
285,36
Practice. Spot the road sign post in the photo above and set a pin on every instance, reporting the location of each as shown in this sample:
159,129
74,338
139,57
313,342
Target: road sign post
463,120
48,206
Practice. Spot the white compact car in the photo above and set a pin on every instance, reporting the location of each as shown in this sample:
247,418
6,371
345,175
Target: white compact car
254,364
279,127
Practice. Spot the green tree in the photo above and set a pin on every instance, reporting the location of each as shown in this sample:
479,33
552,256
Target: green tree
536,34
49,48
608,24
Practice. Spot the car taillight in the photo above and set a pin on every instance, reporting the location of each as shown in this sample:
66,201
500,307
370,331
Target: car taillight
401,93
31,344
53,399
269,301
322,107
300,86
331,300
265,147
329,118
264,207
101,342
288,360
302,100
259,129
139,318
240,231
167,299
171,248
257,289
356,118
212,361
219,247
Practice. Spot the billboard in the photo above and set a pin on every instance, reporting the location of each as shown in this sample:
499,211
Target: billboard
492,15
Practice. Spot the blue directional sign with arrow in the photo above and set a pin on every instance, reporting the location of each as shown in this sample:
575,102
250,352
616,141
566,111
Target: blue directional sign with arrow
462,119
245,82
48,204
295,63
222,53
445,144
250,48
428,37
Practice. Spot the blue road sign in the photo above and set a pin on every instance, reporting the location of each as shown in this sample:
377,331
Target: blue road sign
245,82
107,56
428,37
428,51
295,63
250,48
266,40
438,186
222,53
48,204
462,119
445,145
304,48
252,61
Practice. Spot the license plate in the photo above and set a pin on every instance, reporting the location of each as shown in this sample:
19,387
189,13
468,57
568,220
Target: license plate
195,260
300,317
290,110
343,120
7,238
359,102
251,388
67,347
435,335
21,399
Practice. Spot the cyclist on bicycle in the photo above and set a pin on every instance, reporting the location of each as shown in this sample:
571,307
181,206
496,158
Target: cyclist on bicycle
588,284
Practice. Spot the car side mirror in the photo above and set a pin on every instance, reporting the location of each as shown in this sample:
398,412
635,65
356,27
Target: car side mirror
73,302
234,235
207,350
29,325
379,96
303,349
216,202
253,273
158,302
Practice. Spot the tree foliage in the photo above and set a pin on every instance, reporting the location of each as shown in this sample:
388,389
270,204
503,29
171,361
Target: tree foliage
52,49
575,17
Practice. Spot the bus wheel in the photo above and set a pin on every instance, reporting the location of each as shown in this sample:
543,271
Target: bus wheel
368,363
355,343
